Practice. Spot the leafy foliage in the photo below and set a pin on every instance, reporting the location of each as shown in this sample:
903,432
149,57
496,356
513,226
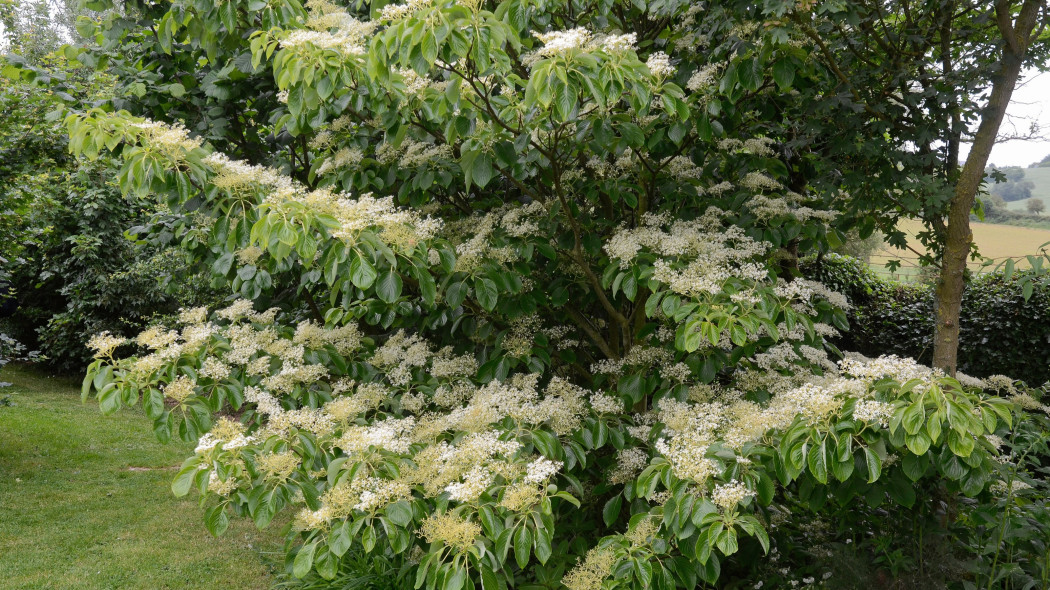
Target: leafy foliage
69,270
1005,318
516,306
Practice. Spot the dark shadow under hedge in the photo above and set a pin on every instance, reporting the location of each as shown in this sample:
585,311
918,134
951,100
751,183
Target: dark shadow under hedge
1001,333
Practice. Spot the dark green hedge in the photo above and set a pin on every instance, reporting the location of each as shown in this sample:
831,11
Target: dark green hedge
1001,333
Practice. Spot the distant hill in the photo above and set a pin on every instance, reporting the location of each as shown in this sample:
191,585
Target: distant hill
1040,178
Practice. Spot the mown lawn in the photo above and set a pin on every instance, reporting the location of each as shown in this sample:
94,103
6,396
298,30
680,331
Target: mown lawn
85,502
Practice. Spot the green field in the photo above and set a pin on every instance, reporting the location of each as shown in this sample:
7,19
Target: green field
85,502
993,241
1040,177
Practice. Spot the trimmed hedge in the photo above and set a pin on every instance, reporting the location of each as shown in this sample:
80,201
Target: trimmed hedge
1001,333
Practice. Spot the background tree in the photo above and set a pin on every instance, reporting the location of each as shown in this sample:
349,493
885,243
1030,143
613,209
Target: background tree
895,90
1035,206
69,270
1009,183
1018,27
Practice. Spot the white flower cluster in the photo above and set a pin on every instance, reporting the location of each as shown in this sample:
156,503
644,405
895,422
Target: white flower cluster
105,343
347,45
758,146
541,470
629,463
330,27
446,365
758,181
171,140
473,235
1001,488
474,483
891,366
420,154
683,168
606,404
637,356
393,435
659,65
711,253
401,228
344,158
728,495
564,43
400,354
395,12
874,412
704,78
770,207
690,428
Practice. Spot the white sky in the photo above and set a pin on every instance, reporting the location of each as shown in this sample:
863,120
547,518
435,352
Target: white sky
1030,102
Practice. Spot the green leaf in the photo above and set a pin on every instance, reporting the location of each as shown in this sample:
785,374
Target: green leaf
783,73
632,134
611,511
914,466
913,418
304,560
456,293
632,387
400,513
339,540
485,291
109,399
389,286
456,580
481,170
183,480
542,546
920,443
216,520
727,542
488,579
362,273
960,444
223,264
427,287
874,463
327,563
818,461
843,469
522,546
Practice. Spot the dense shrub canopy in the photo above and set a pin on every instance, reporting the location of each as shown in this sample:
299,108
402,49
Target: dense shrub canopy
542,329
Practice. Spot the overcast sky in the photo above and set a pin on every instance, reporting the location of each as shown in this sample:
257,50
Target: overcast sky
1030,102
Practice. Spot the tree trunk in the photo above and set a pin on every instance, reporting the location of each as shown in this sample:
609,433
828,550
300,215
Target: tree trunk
958,237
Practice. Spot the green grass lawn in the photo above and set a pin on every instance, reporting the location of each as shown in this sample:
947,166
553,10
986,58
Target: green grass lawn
85,502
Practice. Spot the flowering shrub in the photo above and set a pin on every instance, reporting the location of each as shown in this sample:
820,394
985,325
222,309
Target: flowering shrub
542,335
399,446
